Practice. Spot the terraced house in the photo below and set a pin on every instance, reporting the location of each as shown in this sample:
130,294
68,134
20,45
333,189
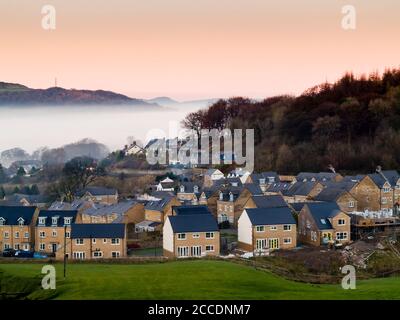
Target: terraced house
345,201
191,235
265,229
99,194
98,241
53,231
17,227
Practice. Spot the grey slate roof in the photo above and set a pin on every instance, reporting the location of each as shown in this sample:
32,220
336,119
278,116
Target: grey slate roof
270,216
159,205
98,191
318,176
329,194
321,211
74,205
189,187
300,188
193,223
185,210
270,201
119,208
97,230
61,214
297,206
253,188
279,187
255,177
11,214
392,176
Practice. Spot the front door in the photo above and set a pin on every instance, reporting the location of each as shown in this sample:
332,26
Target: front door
196,251
53,247
273,243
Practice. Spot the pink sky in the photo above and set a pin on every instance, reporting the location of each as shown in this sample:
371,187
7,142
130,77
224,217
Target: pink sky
195,49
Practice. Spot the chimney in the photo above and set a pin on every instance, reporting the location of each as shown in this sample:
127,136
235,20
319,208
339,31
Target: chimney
330,167
379,169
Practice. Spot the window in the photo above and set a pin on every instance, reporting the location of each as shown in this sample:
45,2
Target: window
114,241
260,228
209,235
79,241
351,204
183,251
2,220
384,200
6,246
273,228
21,221
287,240
54,233
42,220
6,235
54,221
16,236
341,222
323,221
79,255
94,240
271,179
262,181
181,236
261,244
67,221
97,254
313,236
16,246
386,189
68,234
209,248
115,254
26,235
341,235
42,234
42,246
104,240
196,235
287,227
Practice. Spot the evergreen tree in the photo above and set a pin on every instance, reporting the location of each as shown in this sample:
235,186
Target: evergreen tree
2,192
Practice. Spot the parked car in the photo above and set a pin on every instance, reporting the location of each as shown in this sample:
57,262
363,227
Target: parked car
40,255
23,254
8,252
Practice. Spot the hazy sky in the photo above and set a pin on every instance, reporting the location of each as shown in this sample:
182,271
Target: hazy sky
190,49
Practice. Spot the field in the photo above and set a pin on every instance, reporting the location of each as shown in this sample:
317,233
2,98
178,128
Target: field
182,280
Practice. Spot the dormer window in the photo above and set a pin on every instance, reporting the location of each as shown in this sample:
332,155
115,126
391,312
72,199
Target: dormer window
42,220
2,221
195,189
182,188
21,221
54,221
262,181
67,220
221,196
231,196
271,179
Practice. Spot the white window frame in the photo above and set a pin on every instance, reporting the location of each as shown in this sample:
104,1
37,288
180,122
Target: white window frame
42,234
287,227
115,241
117,254
210,235
341,224
210,248
196,235
273,228
287,240
42,247
79,241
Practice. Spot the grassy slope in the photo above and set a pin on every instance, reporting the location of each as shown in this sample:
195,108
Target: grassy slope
193,280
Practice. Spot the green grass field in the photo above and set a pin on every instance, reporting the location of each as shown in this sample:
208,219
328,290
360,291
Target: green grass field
189,280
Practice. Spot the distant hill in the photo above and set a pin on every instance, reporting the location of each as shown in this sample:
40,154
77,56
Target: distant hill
12,94
169,102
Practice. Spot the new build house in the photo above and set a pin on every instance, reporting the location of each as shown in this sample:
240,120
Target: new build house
101,240
53,231
323,223
266,229
17,227
191,235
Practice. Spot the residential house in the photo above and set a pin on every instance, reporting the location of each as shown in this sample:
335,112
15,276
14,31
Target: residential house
265,229
212,175
323,223
189,191
100,195
157,211
263,179
364,190
267,201
343,198
318,176
166,184
302,191
53,231
28,200
134,149
278,188
98,241
191,235
388,182
17,227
